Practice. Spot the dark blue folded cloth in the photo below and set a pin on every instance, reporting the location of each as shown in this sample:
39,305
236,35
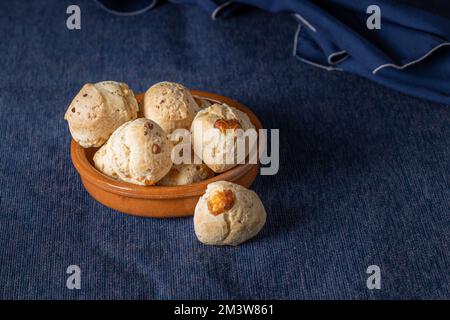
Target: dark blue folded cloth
403,54
128,7
410,53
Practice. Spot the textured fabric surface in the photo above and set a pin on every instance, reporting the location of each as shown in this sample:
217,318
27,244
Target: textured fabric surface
408,50
364,177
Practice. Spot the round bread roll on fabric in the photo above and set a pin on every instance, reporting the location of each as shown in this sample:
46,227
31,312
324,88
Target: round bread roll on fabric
211,136
170,105
182,174
138,152
99,109
228,214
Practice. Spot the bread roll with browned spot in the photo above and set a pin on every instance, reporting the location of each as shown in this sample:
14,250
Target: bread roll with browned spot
214,136
228,214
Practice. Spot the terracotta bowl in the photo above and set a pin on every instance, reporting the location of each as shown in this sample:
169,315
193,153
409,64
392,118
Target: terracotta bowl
157,201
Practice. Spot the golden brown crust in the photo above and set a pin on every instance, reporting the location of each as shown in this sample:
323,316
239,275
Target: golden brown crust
220,202
223,125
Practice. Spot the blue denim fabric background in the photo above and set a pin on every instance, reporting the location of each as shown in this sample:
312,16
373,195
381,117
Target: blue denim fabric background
364,178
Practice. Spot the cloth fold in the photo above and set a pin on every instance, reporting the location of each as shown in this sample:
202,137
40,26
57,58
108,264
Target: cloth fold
409,53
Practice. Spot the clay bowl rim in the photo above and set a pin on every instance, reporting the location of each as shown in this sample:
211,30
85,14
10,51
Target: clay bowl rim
92,175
